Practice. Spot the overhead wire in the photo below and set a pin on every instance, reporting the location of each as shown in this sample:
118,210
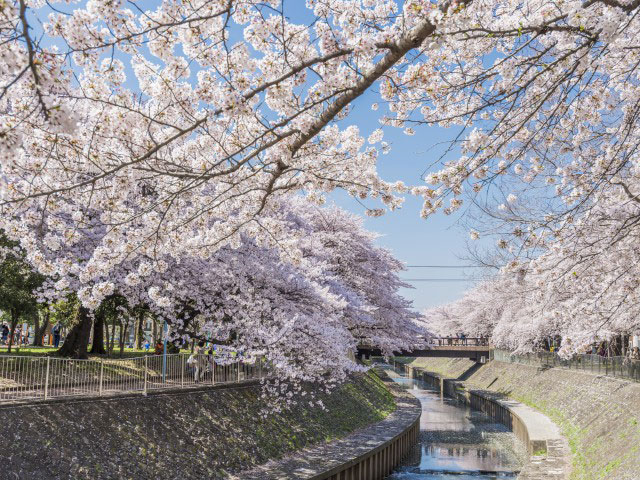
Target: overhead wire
442,279
438,279
445,266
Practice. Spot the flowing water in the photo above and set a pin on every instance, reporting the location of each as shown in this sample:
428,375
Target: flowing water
457,443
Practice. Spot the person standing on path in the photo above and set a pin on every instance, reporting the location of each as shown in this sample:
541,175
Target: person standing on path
57,331
199,360
5,333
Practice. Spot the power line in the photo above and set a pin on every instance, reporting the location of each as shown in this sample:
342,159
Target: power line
438,279
445,266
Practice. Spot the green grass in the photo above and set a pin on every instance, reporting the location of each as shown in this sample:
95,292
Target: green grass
26,350
29,351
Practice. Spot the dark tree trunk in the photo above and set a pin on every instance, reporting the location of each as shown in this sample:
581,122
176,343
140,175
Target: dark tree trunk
36,331
97,347
123,337
77,340
106,335
155,330
113,336
140,329
39,330
14,323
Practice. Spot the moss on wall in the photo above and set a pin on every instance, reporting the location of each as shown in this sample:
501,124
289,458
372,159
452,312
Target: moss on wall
195,435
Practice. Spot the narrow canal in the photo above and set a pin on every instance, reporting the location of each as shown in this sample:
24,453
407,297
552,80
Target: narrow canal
457,443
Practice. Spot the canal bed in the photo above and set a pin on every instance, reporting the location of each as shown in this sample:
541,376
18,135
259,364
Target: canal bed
457,443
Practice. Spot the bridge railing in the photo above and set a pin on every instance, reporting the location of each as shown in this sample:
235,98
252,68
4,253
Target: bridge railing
437,342
621,367
459,342
43,378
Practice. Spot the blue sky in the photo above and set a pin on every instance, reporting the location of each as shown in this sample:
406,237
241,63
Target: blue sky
438,240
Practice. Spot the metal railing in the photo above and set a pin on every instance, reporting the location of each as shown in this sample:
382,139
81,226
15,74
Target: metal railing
459,341
437,342
43,378
621,367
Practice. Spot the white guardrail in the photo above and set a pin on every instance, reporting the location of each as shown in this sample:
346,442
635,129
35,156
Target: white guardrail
43,378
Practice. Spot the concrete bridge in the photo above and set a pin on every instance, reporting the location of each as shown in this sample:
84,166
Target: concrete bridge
444,347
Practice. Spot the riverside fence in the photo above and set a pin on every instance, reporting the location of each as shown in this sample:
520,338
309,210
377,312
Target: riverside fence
621,367
44,378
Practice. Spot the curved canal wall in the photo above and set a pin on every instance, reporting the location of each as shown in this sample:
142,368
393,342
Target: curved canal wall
369,454
599,415
196,434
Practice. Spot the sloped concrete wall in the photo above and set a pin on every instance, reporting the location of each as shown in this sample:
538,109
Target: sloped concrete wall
368,454
187,435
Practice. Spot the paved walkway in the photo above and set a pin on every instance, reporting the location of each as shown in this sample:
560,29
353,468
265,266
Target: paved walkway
543,434
553,466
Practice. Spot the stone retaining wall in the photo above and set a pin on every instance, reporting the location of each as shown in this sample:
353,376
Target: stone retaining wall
370,454
187,435
599,415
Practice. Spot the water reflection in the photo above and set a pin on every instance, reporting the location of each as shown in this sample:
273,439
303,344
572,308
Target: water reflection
456,442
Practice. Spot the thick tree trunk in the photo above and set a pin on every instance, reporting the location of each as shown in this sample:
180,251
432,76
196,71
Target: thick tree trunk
97,346
40,329
36,329
113,336
123,337
140,329
77,340
14,323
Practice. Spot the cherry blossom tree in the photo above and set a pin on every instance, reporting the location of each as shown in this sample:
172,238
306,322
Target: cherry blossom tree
179,130
209,130
584,284
304,315
581,288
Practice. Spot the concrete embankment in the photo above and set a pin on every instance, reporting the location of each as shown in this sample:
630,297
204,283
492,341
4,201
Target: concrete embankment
198,434
369,454
598,415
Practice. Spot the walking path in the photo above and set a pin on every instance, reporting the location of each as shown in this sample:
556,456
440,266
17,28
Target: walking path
554,465
543,436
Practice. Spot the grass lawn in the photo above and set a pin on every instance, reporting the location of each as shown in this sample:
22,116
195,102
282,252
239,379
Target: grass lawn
30,351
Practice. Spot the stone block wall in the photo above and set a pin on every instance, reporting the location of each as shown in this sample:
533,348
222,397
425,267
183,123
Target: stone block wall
187,435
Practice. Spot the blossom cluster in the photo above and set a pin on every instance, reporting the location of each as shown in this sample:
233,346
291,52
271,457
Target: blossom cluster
582,286
179,131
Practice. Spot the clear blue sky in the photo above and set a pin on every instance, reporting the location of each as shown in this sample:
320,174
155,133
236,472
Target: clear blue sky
438,240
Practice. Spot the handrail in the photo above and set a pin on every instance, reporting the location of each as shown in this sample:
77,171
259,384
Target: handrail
460,341
620,367
44,378
441,342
